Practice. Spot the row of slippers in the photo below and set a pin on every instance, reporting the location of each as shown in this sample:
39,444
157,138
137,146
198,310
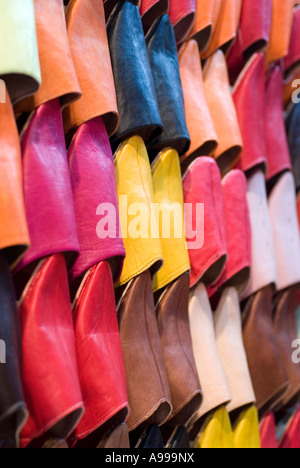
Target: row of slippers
120,21
49,350
213,23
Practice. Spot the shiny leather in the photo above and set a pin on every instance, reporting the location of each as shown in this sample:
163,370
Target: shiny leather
53,394
283,214
246,430
87,35
199,122
167,186
182,14
93,181
249,99
55,444
97,335
278,155
282,19
180,440
134,181
269,377
268,435
207,13
291,438
109,6
292,127
19,63
142,350
137,101
226,27
152,439
59,79
202,184
14,236
286,333
13,411
174,329
229,339
238,229
151,10
47,186
255,23
217,431
163,58
222,110
263,261
210,369
292,60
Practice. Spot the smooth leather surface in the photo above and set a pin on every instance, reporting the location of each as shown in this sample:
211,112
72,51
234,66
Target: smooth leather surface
151,10
282,19
217,431
182,14
291,438
180,439
19,57
249,99
278,155
55,444
199,122
93,181
222,110
263,261
99,354
13,411
152,439
47,186
167,186
269,377
50,376
268,432
59,79
163,58
134,181
207,13
292,60
283,214
292,127
14,236
286,333
109,6
229,339
246,433
175,336
202,185
148,392
238,229
256,19
210,369
137,101
226,27
90,51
